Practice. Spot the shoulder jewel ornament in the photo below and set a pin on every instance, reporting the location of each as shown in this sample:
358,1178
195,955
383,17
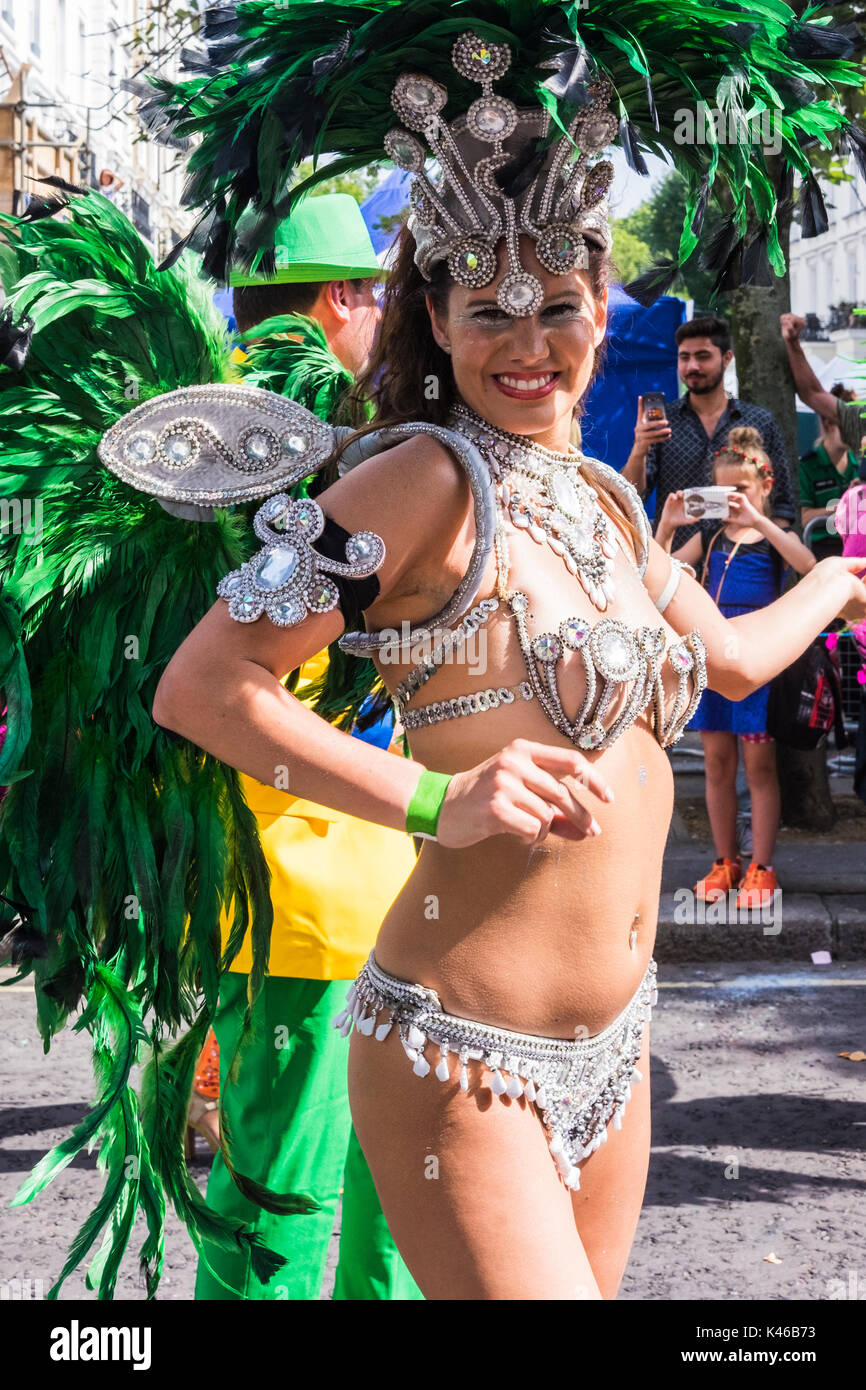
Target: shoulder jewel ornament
202,447
287,578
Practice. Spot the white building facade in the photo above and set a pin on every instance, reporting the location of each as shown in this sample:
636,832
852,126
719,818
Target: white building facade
829,271
65,110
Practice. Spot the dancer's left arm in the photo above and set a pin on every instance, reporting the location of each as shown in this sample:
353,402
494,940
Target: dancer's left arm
744,653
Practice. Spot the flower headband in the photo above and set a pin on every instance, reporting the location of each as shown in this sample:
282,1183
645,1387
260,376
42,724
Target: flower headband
764,468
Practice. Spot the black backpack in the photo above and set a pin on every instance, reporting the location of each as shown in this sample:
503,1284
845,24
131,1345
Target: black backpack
806,701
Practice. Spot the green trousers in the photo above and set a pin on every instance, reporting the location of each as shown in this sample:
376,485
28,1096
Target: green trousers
288,1116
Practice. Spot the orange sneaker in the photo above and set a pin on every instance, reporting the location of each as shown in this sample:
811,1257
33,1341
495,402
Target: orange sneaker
723,876
758,886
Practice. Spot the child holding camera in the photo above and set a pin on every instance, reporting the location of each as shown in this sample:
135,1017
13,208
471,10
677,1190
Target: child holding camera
742,565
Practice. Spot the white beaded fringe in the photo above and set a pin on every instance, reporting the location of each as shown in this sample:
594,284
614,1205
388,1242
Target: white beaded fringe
517,1084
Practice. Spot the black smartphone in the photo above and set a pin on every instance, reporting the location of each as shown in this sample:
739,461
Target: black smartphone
654,407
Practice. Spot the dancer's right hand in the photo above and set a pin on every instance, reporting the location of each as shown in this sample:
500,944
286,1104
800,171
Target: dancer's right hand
526,790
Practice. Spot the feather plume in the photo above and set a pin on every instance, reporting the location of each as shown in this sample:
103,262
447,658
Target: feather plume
40,207
14,339
22,942
697,220
810,41
854,140
55,181
119,884
653,283
814,219
755,266
573,70
286,83
516,176
629,137
718,250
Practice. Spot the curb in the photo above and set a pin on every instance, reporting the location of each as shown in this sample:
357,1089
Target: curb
790,928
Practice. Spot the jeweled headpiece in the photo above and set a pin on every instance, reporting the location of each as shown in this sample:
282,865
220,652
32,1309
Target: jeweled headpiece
476,202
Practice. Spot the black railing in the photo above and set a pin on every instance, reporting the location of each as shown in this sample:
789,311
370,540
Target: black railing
140,214
842,316
813,332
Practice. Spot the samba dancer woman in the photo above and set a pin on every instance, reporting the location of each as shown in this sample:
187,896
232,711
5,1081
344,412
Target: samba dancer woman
500,1026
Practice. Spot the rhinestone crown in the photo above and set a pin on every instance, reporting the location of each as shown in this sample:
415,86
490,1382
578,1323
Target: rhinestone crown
463,215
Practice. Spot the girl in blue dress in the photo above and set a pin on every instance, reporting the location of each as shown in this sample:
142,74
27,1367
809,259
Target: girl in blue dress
742,565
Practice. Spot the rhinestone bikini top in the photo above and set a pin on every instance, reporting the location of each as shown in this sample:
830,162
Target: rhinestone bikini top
557,505
613,655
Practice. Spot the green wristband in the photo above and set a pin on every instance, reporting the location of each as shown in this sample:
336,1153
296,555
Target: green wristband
422,817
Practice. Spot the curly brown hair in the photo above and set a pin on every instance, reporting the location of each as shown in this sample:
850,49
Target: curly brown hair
745,444
744,447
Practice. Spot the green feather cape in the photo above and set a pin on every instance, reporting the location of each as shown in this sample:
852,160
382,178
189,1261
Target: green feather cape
119,842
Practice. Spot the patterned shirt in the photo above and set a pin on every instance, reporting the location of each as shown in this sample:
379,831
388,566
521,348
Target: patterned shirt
686,459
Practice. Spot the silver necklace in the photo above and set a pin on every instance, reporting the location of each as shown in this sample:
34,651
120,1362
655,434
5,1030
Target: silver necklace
541,492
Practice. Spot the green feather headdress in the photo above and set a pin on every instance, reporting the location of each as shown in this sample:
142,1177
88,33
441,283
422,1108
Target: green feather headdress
277,84
119,842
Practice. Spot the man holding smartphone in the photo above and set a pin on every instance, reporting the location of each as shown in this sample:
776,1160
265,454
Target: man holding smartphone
676,451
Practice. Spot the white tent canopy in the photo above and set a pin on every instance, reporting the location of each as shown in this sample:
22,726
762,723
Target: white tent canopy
838,369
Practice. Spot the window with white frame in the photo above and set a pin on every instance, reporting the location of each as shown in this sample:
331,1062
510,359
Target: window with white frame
829,291
60,53
851,254
82,55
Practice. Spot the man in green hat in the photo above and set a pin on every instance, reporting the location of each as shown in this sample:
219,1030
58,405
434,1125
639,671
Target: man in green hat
306,332
325,275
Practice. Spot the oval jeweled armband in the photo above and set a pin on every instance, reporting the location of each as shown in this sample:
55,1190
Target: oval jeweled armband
288,578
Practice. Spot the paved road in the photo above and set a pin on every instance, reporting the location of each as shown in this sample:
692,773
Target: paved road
759,1131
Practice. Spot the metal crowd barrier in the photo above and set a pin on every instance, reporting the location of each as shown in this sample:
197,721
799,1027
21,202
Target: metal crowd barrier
842,763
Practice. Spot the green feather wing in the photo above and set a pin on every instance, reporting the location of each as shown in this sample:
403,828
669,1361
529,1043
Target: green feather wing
290,354
113,833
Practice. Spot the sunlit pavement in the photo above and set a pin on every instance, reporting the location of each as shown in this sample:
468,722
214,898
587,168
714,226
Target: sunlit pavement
759,1128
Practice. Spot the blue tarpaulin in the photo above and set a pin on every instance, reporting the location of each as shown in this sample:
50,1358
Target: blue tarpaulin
388,200
641,356
224,300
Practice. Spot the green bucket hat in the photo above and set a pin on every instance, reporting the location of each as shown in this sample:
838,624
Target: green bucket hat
325,238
